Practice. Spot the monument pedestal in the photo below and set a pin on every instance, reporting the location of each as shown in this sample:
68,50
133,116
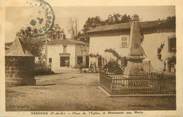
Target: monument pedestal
135,74
134,68
19,65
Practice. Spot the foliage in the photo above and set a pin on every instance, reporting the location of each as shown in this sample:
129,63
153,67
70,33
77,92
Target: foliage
112,19
92,22
73,28
30,43
172,60
136,17
116,18
42,69
159,50
56,33
114,53
34,44
169,22
83,37
113,67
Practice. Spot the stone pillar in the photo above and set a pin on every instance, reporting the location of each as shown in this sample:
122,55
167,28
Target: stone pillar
134,67
19,70
19,66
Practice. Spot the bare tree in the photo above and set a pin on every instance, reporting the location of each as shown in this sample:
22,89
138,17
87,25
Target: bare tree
73,29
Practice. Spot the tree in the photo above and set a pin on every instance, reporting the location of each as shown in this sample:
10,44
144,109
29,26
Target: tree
86,25
92,22
73,30
114,53
30,43
82,36
97,21
169,22
56,33
136,17
117,17
111,19
125,18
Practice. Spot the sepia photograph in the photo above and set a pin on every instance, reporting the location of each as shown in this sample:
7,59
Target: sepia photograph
89,58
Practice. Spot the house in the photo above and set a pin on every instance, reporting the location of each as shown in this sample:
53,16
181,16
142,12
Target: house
65,54
159,44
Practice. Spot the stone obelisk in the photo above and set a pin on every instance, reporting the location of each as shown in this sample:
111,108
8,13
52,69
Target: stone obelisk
134,68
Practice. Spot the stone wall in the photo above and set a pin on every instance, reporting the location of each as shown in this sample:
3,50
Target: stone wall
19,70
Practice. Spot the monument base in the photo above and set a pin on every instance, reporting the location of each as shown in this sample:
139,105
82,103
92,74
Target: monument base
134,70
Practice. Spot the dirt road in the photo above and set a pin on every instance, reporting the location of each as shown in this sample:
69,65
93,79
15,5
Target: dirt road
74,91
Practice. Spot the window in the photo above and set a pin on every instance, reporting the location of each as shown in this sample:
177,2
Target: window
87,61
124,42
64,61
99,61
50,60
172,44
79,60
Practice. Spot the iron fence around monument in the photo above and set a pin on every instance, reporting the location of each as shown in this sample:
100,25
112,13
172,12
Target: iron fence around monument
152,83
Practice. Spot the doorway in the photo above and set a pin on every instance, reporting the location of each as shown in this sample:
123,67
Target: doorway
87,61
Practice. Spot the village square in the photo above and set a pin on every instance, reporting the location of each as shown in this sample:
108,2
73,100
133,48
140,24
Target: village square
98,60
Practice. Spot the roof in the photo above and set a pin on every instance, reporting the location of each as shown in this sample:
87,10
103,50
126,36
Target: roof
125,26
65,42
16,49
8,43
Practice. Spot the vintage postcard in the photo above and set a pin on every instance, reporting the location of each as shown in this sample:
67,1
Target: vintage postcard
91,58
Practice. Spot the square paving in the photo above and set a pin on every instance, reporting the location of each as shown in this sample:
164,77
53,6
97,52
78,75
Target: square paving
77,92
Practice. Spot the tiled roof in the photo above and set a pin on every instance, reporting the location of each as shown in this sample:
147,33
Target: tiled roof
66,41
124,26
16,49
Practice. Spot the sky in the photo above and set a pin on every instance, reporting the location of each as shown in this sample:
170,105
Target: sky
18,17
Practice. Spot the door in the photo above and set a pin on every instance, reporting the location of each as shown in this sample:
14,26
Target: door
79,60
99,61
87,61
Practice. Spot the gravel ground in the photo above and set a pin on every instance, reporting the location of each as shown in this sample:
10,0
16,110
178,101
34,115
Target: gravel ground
75,91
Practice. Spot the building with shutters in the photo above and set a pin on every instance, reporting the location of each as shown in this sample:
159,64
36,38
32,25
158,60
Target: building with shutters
159,44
